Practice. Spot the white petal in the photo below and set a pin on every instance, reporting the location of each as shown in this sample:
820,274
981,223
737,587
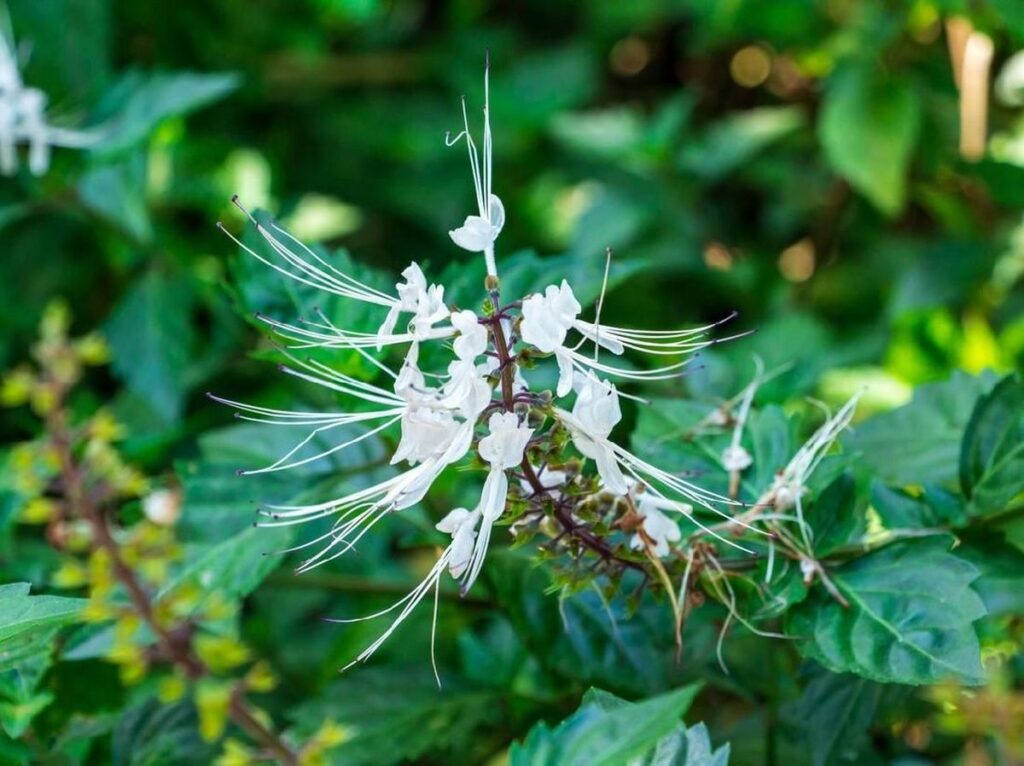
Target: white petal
588,330
387,327
451,523
610,473
460,444
497,214
472,339
492,499
462,548
475,235
565,372
416,489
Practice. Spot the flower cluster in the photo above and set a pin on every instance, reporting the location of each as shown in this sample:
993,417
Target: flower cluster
23,120
483,405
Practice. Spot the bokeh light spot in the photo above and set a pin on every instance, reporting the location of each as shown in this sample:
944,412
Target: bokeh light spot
797,261
750,66
629,56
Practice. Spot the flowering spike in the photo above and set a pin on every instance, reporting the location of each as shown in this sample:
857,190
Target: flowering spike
479,401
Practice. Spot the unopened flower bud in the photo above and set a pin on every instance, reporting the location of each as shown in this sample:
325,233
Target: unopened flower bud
736,458
162,506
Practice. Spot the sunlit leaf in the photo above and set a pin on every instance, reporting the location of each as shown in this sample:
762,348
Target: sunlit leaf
909,620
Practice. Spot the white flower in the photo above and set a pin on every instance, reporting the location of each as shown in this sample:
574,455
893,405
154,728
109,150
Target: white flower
471,341
425,303
657,526
478,233
547,318
735,457
790,484
595,414
23,120
503,448
426,432
546,322
466,390
461,525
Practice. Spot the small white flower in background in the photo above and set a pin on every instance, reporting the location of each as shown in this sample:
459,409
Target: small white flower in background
791,482
479,399
660,529
735,458
162,507
23,120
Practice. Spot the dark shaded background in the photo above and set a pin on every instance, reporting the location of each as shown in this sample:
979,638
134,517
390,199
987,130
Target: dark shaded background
797,161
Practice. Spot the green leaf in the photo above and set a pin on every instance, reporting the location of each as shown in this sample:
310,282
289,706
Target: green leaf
28,627
687,747
734,141
397,714
585,638
833,714
603,734
116,191
141,101
150,336
1001,566
992,457
933,506
909,619
235,567
681,747
837,515
920,442
868,129
152,733
75,66
22,614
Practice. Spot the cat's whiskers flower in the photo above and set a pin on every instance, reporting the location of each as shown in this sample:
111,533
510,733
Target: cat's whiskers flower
23,120
479,400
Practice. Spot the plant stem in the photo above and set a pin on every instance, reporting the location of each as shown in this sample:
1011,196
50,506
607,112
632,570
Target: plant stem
561,512
175,645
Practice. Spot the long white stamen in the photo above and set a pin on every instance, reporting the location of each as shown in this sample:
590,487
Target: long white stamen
600,303
281,465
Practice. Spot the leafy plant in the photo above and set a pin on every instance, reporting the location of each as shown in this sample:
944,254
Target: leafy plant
831,172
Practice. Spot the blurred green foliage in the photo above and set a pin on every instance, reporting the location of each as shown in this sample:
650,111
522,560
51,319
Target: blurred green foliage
794,160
